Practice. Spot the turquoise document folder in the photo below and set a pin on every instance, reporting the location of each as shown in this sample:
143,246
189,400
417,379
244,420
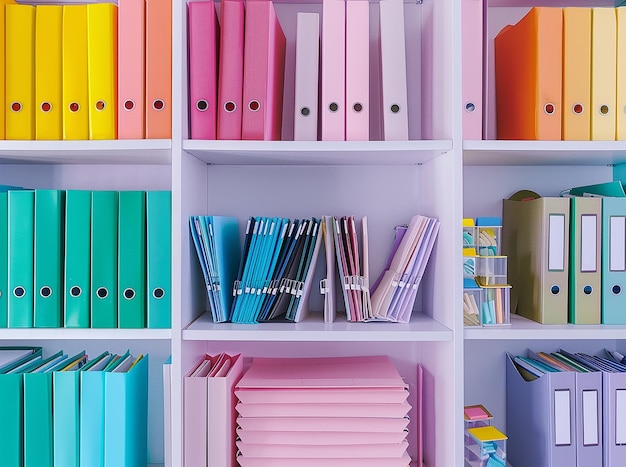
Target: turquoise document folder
77,258
159,258
126,414
21,209
131,303
104,214
614,260
49,257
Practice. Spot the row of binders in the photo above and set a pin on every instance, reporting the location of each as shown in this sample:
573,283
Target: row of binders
91,71
64,410
567,256
343,411
561,74
565,408
271,276
237,71
80,258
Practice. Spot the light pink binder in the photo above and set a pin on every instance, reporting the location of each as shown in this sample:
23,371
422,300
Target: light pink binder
203,30
194,414
131,69
230,77
320,438
404,461
357,70
332,106
263,72
393,68
335,424
370,451
472,68
306,76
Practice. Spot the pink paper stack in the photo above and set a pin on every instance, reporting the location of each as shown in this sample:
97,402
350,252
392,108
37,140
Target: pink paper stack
339,411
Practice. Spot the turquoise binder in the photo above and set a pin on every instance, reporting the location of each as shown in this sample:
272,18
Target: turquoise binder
159,258
614,260
4,258
104,214
77,258
21,224
132,260
49,257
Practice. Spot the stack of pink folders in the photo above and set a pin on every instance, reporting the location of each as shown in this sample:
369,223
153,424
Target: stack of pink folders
339,411
209,411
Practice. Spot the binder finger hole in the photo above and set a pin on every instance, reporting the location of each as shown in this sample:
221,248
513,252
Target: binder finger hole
549,108
129,104
45,291
129,294
19,291
604,109
74,107
76,291
100,105
158,104
158,293
229,106
587,290
16,106
395,108
555,289
46,107
470,107
202,105
333,107
254,105
305,111
616,289
357,107
102,292
578,108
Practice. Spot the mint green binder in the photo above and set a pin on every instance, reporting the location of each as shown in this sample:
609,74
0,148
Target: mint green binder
159,258
77,258
21,211
104,215
49,257
132,260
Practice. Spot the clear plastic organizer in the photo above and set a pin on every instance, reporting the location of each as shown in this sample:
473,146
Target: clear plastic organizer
487,305
487,447
491,270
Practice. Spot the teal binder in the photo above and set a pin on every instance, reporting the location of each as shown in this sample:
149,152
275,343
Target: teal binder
4,258
613,260
49,257
159,258
21,223
132,260
126,415
77,258
104,214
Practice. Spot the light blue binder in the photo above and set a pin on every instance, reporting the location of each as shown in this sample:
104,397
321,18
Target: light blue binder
614,260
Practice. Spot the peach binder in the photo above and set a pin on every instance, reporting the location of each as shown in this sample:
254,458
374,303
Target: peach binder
203,47
263,72
472,68
48,72
603,73
357,70
620,16
333,73
576,73
230,74
306,76
102,70
528,63
158,69
131,69
20,72
393,65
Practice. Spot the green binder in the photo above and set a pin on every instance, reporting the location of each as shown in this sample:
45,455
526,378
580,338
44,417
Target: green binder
159,258
21,209
104,206
49,231
132,260
77,258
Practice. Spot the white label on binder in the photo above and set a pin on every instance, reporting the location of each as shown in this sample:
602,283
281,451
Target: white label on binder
620,416
556,242
562,422
590,418
588,242
617,243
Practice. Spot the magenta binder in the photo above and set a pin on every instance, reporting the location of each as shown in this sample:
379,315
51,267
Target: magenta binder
203,60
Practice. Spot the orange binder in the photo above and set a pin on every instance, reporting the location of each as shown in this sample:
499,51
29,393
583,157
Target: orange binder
576,73
158,69
528,62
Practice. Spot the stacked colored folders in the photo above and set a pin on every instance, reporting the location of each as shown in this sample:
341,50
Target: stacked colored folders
571,403
72,409
340,411
209,411
79,258
394,293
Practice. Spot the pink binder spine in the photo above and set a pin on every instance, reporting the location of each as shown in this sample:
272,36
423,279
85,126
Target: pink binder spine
263,73
131,69
472,68
230,77
332,105
203,47
357,70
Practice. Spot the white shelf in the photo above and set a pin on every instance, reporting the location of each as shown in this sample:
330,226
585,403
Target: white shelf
109,152
84,334
525,329
316,152
420,328
537,153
